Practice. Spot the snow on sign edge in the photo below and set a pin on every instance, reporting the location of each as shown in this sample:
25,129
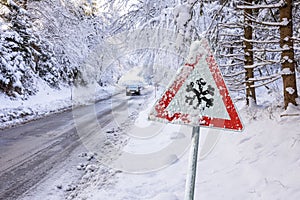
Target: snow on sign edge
198,50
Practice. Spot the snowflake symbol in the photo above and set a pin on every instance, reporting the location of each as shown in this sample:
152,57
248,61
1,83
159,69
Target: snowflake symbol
200,94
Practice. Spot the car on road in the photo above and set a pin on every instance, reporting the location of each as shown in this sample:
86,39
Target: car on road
133,90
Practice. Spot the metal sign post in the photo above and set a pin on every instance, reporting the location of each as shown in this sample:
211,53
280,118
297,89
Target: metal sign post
192,168
197,96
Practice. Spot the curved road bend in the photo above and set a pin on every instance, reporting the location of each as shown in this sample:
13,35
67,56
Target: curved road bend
28,152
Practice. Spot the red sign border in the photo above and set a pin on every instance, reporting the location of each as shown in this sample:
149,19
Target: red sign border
233,123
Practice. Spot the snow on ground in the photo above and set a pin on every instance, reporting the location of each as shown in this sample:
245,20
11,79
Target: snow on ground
262,162
56,184
47,101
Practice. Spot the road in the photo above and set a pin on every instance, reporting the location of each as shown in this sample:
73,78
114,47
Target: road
28,152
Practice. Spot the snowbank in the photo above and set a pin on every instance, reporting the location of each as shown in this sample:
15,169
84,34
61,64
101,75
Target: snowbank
47,101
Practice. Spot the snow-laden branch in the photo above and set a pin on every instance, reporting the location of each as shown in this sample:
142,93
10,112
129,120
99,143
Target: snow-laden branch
255,65
284,21
46,17
216,15
235,86
231,55
230,35
268,61
271,50
280,4
12,4
261,41
237,58
262,27
264,78
183,20
265,83
231,42
232,64
231,25
240,59
235,74
296,39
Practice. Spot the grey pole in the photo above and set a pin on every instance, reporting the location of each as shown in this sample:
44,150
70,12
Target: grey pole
192,168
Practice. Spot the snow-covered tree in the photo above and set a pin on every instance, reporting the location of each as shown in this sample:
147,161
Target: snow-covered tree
250,46
24,57
287,54
248,50
64,42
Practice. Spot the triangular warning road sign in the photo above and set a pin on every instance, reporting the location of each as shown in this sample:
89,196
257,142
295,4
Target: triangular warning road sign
198,95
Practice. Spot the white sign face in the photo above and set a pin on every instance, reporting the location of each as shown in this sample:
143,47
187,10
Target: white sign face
198,95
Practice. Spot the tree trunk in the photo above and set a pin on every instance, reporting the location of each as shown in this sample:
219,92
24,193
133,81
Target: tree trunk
248,51
287,56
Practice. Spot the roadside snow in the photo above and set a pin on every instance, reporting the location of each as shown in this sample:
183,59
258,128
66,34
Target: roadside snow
47,101
260,163
291,111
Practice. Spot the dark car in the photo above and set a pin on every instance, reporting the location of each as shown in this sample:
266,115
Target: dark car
133,90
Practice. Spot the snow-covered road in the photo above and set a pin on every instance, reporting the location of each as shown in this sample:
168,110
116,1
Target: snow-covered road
128,158
29,152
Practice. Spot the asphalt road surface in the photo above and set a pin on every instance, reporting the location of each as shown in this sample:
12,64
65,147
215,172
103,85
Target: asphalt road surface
28,152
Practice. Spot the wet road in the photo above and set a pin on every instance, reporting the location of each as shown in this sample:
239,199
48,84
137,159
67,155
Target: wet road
28,152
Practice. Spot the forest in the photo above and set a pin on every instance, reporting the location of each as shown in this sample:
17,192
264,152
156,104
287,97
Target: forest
66,43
